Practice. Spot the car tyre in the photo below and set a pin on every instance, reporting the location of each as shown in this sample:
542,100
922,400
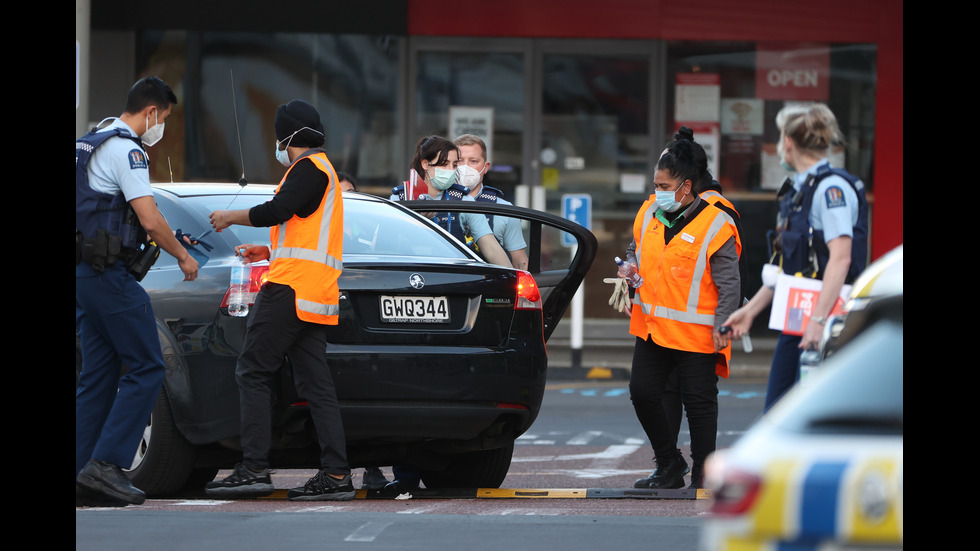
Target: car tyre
165,459
482,469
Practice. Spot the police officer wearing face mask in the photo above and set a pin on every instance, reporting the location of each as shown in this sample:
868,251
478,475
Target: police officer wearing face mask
687,252
434,174
822,229
115,212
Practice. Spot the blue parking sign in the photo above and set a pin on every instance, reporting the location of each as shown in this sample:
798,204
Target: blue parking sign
576,207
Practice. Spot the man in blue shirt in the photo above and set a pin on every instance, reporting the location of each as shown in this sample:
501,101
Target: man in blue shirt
113,315
473,154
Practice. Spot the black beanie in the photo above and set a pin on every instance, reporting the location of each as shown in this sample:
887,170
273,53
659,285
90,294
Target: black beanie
297,115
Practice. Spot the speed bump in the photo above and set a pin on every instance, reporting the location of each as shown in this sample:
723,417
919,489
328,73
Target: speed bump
528,493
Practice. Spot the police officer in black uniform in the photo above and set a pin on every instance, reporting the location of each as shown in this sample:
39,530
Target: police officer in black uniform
118,234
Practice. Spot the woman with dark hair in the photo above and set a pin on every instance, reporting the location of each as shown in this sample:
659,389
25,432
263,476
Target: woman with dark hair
433,175
687,252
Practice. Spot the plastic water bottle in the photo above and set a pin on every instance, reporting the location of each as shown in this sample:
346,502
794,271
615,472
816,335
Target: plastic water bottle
629,272
239,290
809,363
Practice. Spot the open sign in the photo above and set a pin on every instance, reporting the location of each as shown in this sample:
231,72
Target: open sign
793,72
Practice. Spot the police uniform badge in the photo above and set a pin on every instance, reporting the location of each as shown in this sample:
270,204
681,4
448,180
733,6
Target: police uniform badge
835,197
137,159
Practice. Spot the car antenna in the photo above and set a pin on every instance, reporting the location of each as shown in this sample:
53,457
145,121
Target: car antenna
242,182
171,167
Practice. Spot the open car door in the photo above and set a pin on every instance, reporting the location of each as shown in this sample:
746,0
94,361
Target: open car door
558,269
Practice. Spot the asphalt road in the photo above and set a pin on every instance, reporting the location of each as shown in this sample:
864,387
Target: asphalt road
569,487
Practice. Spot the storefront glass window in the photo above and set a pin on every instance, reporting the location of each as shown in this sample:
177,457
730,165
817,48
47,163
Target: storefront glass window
730,92
233,83
484,95
595,129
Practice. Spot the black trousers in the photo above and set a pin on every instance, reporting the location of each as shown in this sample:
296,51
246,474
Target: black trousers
697,385
273,332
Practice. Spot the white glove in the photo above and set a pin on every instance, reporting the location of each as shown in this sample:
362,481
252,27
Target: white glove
620,298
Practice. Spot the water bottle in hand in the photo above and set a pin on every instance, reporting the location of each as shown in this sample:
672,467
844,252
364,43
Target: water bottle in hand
628,270
239,291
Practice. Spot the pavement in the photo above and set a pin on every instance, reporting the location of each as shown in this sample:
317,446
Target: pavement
606,352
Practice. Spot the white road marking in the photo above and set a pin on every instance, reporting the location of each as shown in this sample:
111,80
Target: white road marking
367,532
584,438
614,452
418,510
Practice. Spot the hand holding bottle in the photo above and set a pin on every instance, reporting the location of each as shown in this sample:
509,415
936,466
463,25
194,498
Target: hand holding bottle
629,271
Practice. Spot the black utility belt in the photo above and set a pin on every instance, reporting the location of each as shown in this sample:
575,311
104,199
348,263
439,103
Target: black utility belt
106,249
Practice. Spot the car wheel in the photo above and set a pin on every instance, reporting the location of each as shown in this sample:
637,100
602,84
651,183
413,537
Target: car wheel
165,459
482,469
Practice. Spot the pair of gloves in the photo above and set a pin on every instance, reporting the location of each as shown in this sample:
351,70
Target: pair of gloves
620,298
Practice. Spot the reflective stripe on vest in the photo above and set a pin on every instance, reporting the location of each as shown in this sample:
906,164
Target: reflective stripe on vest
714,197
307,252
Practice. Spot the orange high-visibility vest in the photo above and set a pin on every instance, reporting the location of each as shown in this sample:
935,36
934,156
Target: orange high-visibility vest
307,252
676,304
714,197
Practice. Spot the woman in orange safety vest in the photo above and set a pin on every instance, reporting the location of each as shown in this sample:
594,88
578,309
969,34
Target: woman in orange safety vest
687,252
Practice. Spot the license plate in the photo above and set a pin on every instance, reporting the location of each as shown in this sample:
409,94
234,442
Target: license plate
414,309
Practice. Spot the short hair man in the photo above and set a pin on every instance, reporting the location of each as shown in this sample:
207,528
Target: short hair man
113,315
473,153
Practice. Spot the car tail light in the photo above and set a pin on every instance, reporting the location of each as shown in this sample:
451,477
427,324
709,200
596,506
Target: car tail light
528,294
736,494
259,275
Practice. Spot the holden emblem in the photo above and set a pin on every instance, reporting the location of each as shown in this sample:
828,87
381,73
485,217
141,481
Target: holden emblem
416,281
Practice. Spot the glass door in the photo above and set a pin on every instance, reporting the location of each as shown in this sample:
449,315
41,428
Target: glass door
597,105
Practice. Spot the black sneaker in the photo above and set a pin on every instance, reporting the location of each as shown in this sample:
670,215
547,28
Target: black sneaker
323,487
242,482
373,479
109,480
87,498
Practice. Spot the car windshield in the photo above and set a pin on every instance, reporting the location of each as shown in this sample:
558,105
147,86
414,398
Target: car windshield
372,228
861,391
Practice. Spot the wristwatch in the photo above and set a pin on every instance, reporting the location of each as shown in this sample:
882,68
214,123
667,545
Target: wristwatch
819,320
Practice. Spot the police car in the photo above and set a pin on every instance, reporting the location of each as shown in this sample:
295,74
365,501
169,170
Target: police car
877,293
824,468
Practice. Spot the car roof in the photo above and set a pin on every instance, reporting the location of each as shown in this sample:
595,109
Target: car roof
199,189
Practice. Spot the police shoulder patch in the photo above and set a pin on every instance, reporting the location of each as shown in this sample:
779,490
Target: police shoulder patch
835,197
137,159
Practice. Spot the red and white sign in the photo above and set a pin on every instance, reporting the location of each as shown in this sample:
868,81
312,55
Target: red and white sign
697,97
798,72
793,301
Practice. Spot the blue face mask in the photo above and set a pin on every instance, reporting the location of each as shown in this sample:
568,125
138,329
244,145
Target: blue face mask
667,200
781,153
443,178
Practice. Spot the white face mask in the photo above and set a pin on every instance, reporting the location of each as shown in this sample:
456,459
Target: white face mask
154,134
282,155
467,176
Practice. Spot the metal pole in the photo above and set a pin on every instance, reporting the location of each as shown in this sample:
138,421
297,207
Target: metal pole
83,29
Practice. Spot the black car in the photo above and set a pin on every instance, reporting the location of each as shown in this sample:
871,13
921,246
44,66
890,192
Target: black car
439,358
